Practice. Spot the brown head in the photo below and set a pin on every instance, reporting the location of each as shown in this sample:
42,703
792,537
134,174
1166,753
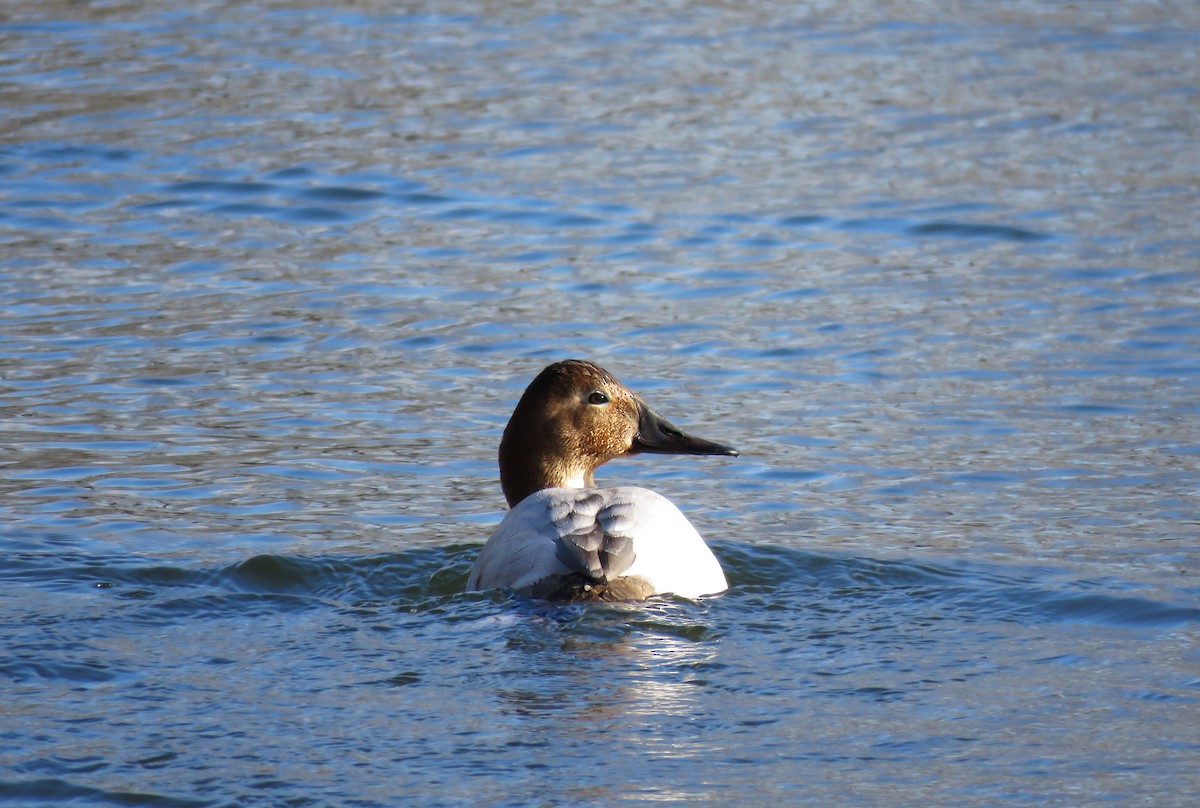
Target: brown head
573,418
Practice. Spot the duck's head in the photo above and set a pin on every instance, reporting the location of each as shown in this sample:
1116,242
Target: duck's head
573,418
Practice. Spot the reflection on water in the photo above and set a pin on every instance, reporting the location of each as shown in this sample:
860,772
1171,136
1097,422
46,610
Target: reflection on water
623,677
272,276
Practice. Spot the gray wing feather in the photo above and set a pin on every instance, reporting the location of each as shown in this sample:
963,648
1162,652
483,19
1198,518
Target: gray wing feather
594,536
558,533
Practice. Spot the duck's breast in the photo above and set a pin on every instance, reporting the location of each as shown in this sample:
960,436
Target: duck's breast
603,533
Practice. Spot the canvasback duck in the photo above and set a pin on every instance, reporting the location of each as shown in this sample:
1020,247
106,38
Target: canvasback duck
564,538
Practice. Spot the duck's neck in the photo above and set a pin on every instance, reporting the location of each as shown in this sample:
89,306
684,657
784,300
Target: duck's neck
527,469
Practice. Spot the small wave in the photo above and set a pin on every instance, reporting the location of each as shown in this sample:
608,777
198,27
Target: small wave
340,193
761,578
972,593
314,214
416,574
980,231
810,220
220,187
56,791
22,668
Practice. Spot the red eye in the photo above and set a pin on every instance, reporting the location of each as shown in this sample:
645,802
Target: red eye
597,398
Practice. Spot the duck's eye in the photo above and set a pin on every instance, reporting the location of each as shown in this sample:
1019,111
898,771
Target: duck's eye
597,398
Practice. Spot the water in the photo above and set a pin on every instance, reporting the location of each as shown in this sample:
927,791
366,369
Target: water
273,275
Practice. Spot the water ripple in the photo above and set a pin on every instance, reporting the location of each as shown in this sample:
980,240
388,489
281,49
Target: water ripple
273,278
438,575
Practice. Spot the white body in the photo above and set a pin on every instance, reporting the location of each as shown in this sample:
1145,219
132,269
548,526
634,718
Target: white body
668,552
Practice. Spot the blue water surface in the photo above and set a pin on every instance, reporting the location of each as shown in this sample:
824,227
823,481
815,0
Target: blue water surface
273,275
